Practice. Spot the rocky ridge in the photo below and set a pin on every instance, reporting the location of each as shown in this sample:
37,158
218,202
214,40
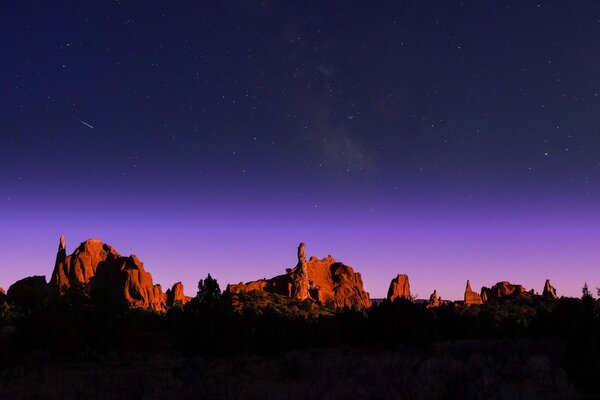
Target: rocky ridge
324,281
122,277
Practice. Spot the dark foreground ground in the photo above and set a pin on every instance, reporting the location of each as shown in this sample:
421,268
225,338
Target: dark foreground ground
475,369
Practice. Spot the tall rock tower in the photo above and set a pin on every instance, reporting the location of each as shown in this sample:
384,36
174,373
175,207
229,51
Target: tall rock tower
471,297
399,288
300,284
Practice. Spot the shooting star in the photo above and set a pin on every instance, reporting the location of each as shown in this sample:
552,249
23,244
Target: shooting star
85,123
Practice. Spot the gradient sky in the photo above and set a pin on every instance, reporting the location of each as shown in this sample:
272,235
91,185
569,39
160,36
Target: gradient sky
446,140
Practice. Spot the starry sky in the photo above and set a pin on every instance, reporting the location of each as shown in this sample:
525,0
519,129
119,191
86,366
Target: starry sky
447,140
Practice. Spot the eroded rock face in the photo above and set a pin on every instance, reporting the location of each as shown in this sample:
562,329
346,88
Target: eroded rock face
471,298
325,281
123,276
549,291
175,295
399,288
504,290
80,266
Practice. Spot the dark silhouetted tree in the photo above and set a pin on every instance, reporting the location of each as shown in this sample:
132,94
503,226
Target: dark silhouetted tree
586,294
209,291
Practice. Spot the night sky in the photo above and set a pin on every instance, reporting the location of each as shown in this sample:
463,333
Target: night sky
446,140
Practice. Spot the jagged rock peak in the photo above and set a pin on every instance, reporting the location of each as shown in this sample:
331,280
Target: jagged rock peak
324,281
62,245
549,291
471,297
399,288
124,276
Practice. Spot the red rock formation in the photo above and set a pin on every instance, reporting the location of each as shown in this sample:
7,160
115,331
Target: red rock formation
434,300
549,291
124,276
325,281
399,288
2,295
471,297
175,295
504,290
81,265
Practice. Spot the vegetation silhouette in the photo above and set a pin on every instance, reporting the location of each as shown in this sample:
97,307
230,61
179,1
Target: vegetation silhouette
88,323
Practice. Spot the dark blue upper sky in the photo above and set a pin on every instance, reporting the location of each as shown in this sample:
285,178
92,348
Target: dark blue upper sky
352,107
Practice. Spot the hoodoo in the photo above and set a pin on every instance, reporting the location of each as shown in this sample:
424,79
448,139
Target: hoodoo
434,300
471,298
399,288
324,281
549,291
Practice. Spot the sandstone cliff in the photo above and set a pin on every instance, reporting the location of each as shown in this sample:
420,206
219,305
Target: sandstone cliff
123,276
471,298
399,288
324,281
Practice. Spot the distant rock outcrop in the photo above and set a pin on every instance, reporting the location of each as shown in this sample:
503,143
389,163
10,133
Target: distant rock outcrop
549,291
175,295
434,300
399,288
2,295
324,281
123,276
504,290
471,298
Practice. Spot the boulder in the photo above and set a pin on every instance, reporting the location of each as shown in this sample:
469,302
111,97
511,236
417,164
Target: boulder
549,291
323,281
175,295
504,290
28,291
399,288
471,298
124,277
